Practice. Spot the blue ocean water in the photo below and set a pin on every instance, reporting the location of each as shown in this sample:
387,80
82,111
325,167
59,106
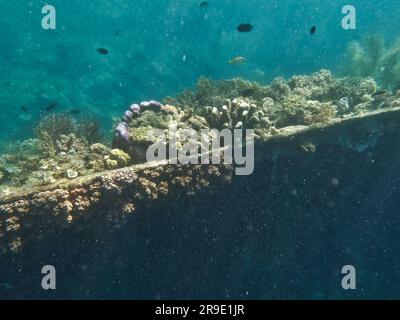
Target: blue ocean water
157,49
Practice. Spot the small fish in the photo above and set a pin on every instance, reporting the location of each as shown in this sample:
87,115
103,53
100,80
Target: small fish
313,29
245,27
237,60
74,111
51,106
204,4
247,92
102,51
24,109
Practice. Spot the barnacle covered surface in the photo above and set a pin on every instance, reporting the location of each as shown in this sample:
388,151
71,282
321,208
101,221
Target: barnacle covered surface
121,191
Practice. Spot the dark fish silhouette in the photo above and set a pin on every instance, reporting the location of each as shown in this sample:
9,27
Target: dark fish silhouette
380,93
313,29
74,111
245,27
102,51
247,92
204,4
51,106
24,109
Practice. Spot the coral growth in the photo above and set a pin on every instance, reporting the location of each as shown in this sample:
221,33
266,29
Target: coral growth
239,104
214,93
89,128
61,150
371,58
49,129
364,59
66,148
117,159
234,114
121,191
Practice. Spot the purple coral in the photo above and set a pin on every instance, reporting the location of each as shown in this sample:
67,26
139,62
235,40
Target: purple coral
144,105
135,109
155,104
150,105
122,131
128,116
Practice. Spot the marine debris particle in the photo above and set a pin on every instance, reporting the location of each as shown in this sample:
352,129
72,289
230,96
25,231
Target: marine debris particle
102,50
313,29
204,4
237,60
245,27
51,106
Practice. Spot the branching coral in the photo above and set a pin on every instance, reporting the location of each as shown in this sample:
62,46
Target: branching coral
61,149
214,93
389,74
371,58
364,59
313,98
236,103
283,102
64,149
49,129
89,127
234,114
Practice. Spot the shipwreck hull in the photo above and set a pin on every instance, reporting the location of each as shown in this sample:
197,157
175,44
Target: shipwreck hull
320,197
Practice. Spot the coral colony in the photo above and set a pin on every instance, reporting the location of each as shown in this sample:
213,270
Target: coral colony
70,169
195,145
122,131
134,112
65,148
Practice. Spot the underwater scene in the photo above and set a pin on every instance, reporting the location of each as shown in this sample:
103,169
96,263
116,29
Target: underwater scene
186,149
